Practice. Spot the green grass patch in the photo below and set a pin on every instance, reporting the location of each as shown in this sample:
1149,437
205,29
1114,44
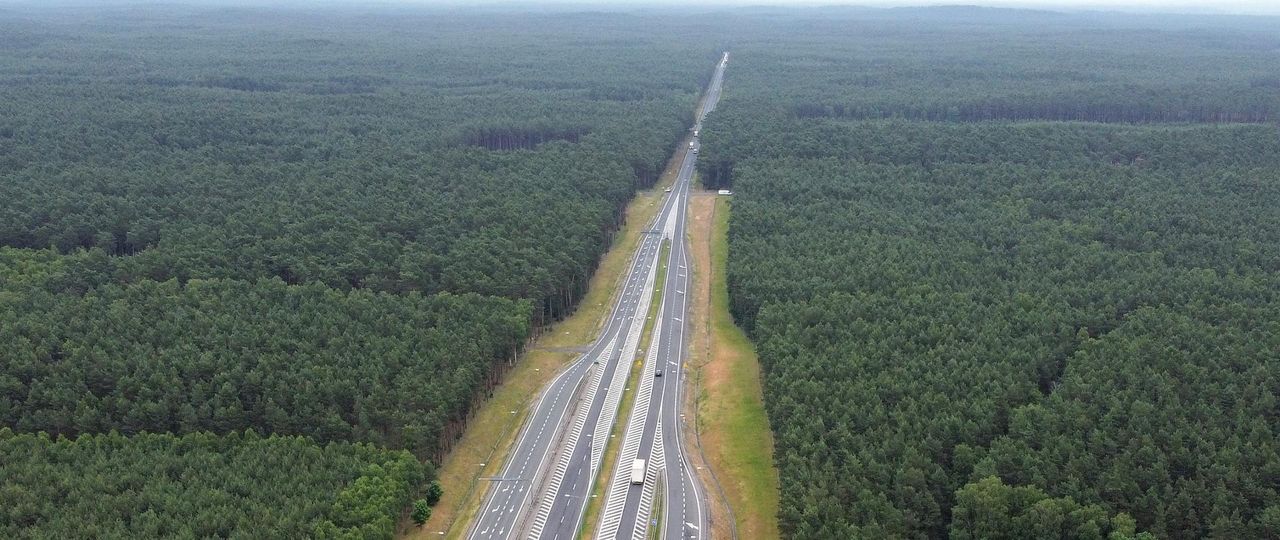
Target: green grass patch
736,437
659,506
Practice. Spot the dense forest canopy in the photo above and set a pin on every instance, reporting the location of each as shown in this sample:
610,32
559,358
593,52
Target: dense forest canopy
429,152
333,227
1011,274
1011,277
200,485
224,355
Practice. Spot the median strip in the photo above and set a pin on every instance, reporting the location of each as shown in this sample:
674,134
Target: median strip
612,449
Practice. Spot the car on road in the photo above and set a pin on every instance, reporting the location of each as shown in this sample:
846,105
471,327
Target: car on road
637,471
657,373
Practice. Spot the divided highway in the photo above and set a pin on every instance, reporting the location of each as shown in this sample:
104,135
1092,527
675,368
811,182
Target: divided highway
544,486
654,430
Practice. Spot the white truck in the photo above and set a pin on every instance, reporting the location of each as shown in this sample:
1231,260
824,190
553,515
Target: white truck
637,471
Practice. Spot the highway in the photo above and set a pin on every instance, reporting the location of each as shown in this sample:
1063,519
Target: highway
654,429
547,479
515,495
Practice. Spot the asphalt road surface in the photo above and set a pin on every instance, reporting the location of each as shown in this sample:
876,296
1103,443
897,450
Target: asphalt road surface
511,499
544,486
630,510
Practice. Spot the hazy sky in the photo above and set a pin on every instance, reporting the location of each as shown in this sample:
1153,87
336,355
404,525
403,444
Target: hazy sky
1222,6
1170,6
1268,7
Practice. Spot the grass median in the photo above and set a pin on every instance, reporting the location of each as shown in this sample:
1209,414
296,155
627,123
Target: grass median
608,463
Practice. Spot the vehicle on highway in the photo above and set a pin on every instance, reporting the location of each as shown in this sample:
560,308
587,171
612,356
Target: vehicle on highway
637,471
668,190
657,373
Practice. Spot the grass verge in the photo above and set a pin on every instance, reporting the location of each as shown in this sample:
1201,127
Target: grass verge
733,428
610,457
484,445
659,506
